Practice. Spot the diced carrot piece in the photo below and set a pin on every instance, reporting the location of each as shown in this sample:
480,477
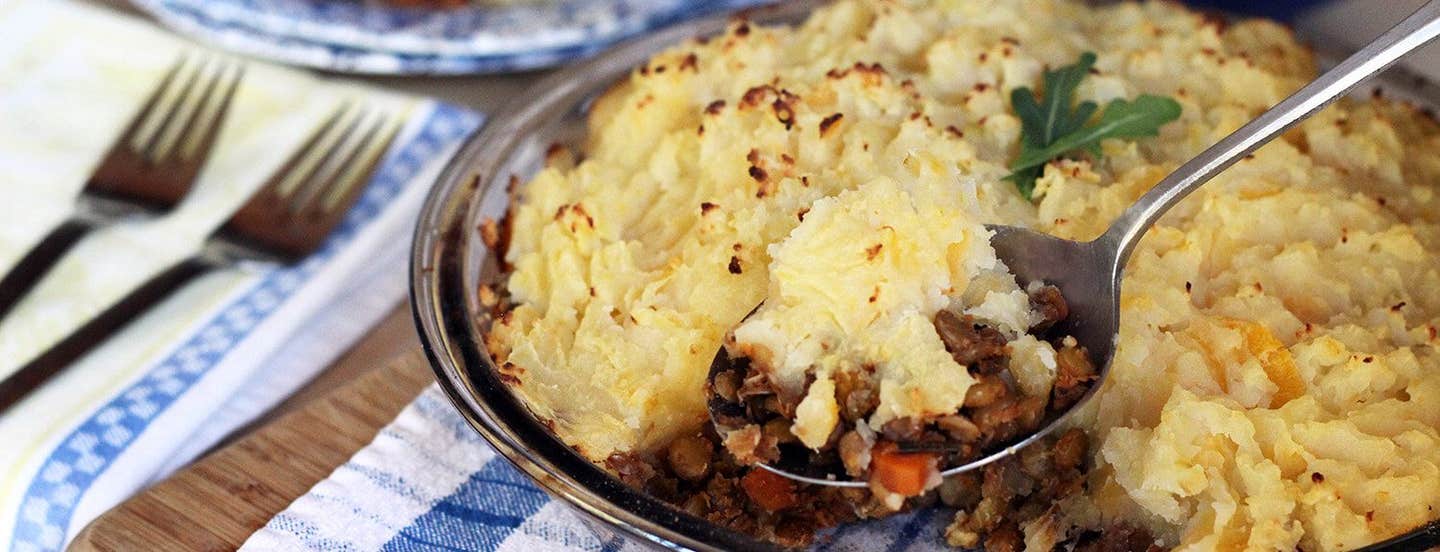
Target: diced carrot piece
902,473
1277,361
772,492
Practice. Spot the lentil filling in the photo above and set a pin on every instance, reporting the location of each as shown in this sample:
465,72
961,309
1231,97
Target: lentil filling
905,455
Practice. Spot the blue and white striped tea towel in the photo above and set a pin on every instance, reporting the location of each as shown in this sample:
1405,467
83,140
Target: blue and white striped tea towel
429,483
225,347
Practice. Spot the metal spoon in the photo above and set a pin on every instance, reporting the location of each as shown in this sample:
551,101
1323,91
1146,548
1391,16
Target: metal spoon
1088,273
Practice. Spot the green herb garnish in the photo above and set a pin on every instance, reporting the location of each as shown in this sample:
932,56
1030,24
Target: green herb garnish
1055,125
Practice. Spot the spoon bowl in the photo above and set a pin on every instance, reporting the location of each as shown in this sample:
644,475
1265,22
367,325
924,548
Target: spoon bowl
1088,276
1088,273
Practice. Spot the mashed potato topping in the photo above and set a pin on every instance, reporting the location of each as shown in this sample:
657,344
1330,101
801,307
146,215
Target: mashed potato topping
855,287
1276,384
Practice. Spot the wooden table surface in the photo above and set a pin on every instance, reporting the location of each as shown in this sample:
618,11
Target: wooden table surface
217,502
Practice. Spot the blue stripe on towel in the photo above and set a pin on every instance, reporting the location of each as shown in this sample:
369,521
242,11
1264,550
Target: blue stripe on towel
84,455
308,533
479,515
924,528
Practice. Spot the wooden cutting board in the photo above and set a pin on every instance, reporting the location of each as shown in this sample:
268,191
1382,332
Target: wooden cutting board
217,502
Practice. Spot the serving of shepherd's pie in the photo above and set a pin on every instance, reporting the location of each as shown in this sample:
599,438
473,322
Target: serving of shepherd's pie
1276,386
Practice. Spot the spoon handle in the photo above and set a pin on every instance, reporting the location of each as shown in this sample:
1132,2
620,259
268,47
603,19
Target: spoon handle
1415,31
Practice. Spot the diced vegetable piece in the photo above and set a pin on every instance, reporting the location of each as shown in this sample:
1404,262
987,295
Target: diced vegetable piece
903,473
772,492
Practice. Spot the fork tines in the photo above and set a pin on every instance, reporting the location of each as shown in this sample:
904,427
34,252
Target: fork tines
160,153
327,170
297,207
184,111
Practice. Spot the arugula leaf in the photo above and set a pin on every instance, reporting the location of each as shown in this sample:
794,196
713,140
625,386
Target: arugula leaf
1054,125
1122,119
1032,133
1060,86
1032,117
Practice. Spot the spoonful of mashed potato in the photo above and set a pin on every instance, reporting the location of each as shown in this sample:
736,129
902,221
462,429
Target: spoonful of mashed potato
894,341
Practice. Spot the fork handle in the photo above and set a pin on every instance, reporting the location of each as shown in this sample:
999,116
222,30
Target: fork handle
41,368
90,212
1414,31
38,261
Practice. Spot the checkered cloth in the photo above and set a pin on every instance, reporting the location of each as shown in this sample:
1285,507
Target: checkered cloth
429,483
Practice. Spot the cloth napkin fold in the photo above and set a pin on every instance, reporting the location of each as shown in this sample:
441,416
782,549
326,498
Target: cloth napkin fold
226,346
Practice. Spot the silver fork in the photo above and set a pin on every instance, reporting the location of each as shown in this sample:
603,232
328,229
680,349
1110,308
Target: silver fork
287,219
153,163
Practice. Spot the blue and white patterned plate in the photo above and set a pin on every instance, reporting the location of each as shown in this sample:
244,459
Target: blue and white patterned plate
371,36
